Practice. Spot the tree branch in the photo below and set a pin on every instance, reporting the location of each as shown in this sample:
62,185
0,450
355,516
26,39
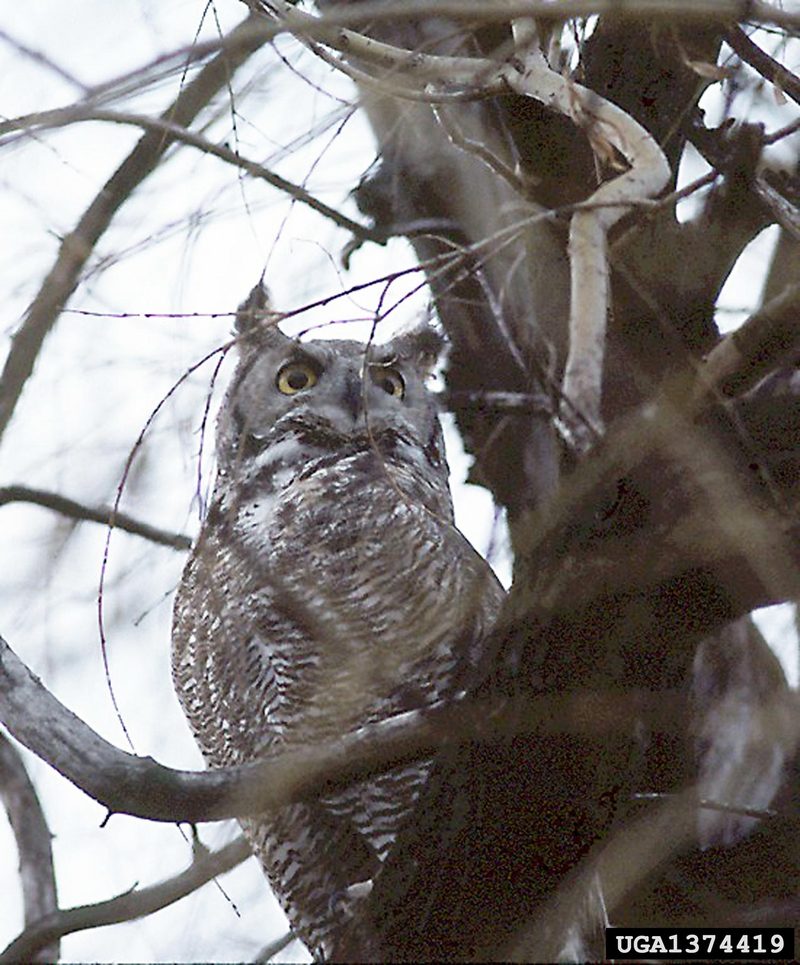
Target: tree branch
609,128
133,904
63,277
32,834
60,117
139,786
761,62
769,337
477,11
104,515
269,951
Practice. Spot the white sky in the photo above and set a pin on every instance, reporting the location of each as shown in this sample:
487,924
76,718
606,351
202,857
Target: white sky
99,379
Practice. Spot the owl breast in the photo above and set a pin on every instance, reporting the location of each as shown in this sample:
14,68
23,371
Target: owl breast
350,578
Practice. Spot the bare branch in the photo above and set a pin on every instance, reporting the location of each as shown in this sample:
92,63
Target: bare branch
32,834
768,338
63,277
761,61
268,952
407,64
137,903
104,515
738,153
501,401
609,128
40,58
169,128
127,784
477,11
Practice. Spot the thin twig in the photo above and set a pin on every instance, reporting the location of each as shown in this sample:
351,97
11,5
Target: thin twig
530,402
786,131
40,58
63,277
478,149
104,515
139,441
759,814
176,132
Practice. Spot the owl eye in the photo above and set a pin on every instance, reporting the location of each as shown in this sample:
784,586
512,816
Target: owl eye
295,377
388,379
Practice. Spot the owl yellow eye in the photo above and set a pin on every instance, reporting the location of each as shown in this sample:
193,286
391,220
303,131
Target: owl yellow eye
295,377
388,379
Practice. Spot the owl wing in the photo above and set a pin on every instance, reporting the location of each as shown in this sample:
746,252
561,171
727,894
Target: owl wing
379,807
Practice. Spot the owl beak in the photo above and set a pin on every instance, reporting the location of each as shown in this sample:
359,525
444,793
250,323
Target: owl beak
353,395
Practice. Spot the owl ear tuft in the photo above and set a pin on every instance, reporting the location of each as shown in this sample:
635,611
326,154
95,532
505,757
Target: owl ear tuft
253,310
421,346
256,318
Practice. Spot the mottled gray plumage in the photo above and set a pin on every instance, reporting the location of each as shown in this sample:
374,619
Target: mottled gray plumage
328,588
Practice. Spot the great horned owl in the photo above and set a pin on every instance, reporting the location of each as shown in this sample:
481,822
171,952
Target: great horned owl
328,588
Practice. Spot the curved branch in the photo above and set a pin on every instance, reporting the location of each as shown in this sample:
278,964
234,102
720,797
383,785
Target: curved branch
125,783
422,67
137,903
104,515
760,61
32,834
609,128
139,786
268,952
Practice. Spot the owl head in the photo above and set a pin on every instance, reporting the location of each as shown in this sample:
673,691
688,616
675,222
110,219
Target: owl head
326,396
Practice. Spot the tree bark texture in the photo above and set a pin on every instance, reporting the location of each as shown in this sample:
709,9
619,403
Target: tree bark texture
677,525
